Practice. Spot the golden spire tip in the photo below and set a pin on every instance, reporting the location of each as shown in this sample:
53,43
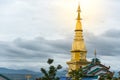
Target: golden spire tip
78,10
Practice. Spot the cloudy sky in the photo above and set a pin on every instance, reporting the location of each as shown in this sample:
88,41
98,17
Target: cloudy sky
31,31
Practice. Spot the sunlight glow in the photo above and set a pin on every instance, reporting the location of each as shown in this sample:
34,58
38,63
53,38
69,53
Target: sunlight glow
91,12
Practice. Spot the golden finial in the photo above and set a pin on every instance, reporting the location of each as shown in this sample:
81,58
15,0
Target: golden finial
79,10
95,53
28,77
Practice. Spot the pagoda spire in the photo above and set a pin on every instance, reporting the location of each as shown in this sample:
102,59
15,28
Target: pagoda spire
78,51
78,43
78,24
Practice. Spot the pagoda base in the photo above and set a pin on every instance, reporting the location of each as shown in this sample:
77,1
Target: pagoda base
75,65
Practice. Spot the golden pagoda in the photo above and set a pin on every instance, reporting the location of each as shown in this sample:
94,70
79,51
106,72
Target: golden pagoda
78,52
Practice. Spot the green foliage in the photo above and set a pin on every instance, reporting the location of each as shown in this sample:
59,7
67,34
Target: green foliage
77,74
115,78
106,77
51,73
50,61
102,78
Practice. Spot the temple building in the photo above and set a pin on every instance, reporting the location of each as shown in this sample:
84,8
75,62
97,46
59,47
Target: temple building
78,52
95,68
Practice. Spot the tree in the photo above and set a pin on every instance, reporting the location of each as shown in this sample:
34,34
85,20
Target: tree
115,78
50,74
107,76
102,77
77,74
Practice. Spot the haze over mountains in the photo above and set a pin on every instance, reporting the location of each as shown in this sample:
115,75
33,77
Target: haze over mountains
25,72
13,71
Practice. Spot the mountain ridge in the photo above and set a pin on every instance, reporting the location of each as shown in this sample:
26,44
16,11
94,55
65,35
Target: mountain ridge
16,71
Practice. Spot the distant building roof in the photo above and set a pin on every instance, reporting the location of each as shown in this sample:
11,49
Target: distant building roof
2,77
17,76
85,78
95,68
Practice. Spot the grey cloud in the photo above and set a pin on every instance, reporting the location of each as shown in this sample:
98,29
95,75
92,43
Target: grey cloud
106,44
21,52
112,33
33,50
41,44
15,53
40,49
